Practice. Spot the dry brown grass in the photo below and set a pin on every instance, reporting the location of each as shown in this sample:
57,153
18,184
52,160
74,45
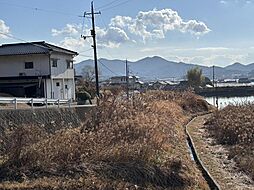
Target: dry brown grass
139,145
234,126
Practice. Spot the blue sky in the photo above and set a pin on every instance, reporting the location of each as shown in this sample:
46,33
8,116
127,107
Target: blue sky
206,32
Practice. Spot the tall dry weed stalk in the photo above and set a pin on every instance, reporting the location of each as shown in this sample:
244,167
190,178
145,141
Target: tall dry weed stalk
234,126
121,145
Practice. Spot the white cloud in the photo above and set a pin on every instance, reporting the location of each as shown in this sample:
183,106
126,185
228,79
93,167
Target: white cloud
121,21
223,2
152,24
195,27
4,29
204,50
243,2
111,37
214,49
210,55
69,29
156,23
220,60
152,49
73,43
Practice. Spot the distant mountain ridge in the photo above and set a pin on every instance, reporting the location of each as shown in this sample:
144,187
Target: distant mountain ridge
240,67
155,68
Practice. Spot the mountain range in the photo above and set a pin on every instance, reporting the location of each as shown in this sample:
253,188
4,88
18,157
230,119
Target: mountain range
158,68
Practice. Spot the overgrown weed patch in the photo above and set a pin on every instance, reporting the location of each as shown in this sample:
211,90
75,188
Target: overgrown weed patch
133,145
234,127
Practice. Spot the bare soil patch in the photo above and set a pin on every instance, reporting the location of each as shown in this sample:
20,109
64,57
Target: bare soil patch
216,158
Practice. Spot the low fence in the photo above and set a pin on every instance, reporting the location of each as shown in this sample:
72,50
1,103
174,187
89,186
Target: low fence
33,101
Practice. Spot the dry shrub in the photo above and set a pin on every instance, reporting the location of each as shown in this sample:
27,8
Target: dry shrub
188,101
17,138
234,126
134,145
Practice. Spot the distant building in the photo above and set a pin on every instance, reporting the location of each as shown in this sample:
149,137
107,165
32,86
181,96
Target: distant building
118,80
159,85
170,85
37,69
121,81
244,80
183,85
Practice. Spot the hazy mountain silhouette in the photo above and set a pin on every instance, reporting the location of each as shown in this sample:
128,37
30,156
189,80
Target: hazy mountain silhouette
152,68
240,67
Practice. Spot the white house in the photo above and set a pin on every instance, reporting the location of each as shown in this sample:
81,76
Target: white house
134,82
118,80
37,69
159,85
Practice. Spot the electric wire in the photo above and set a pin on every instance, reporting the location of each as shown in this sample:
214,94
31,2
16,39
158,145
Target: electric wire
19,39
37,45
106,7
106,49
40,9
82,55
86,50
83,25
107,68
117,5
108,4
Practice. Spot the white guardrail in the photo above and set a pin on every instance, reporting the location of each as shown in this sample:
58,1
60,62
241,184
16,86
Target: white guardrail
32,101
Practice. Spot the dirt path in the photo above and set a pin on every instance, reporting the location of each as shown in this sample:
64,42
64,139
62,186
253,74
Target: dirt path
215,158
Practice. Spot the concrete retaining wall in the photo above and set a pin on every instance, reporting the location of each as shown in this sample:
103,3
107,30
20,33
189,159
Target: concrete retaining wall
51,119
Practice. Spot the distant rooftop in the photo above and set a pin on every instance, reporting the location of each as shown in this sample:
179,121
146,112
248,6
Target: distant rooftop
40,47
119,77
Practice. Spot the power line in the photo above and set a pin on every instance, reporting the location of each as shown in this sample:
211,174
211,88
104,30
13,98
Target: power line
37,45
83,25
40,9
102,21
117,5
82,55
107,68
107,4
86,50
19,39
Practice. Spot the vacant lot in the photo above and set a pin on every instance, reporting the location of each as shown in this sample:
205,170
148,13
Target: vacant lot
234,128
123,145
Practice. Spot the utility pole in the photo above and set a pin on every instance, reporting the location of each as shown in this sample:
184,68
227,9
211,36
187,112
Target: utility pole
213,87
213,77
93,35
216,101
127,79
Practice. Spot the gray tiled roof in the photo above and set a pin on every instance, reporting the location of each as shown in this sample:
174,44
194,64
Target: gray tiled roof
32,48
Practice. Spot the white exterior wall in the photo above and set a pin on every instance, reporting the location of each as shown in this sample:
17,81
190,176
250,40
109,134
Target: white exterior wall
12,66
60,92
63,76
122,80
48,88
61,70
70,91
118,80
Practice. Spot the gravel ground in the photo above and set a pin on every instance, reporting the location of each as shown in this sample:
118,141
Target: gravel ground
215,158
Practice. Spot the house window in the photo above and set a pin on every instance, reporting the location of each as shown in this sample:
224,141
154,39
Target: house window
54,62
69,64
58,84
66,86
29,65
